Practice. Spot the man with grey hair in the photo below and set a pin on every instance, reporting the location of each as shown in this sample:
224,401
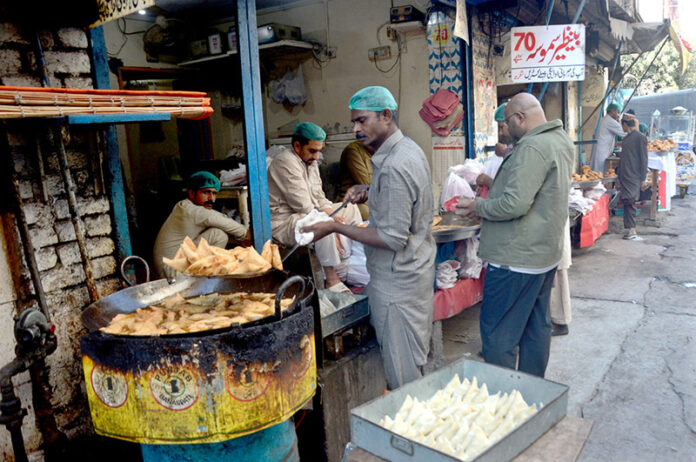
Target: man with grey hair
524,218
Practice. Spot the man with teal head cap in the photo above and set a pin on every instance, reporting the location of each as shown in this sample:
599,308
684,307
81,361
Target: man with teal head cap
194,217
399,246
295,189
609,129
502,149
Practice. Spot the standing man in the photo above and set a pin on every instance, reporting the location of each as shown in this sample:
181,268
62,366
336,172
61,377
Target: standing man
399,246
502,149
633,167
194,217
295,189
521,237
609,129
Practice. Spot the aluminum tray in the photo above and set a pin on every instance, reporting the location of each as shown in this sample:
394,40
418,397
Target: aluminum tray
367,434
355,310
585,184
455,234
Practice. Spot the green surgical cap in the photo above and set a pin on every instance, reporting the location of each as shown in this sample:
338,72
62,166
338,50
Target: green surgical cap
499,114
643,128
202,180
613,107
310,131
373,99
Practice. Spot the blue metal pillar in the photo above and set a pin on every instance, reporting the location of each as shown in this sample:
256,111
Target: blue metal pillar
253,121
115,175
468,82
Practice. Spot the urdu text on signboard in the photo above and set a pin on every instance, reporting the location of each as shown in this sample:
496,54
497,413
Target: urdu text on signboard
548,53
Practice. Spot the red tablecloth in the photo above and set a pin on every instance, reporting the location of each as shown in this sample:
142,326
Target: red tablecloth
450,302
595,222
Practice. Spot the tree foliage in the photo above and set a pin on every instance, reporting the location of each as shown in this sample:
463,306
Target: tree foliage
664,75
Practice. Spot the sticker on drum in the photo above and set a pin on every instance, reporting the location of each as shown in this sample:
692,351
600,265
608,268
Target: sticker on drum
248,382
110,387
176,390
300,368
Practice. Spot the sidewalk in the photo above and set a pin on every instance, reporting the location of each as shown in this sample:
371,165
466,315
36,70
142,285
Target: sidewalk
630,357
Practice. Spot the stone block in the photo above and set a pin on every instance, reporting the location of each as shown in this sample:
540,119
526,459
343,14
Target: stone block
54,185
62,276
10,33
68,62
99,225
36,212
62,300
19,159
99,246
21,81
108,286
42,237
61,209
78,82
104,266
47,40
93,205
10,61
26,190
65,231
69,254
73,37
83,182
46,258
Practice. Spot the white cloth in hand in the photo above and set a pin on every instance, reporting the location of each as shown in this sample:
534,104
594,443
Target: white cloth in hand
312,217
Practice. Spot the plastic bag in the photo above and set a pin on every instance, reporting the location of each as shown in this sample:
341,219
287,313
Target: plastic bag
290,88
357,266
312,217
469,170
595,193
467,254
446,275
456,186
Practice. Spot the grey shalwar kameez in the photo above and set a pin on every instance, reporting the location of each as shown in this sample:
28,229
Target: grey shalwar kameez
401,278
633,167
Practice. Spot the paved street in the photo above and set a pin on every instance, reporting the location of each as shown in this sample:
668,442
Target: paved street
630,357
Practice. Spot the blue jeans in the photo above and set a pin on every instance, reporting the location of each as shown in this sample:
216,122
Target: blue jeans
516,320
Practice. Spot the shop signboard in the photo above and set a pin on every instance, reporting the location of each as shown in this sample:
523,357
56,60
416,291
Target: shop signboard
548,53
108,10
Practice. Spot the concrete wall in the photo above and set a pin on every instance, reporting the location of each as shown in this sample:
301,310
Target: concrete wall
51,231
353,29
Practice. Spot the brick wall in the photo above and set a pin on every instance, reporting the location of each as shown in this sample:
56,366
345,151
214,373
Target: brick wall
51,230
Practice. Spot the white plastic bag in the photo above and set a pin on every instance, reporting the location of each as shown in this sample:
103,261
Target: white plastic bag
456,186
595,193
290,88
357,266
467,253
446,275
469,170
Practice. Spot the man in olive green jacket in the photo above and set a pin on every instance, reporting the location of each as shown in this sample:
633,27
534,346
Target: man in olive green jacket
522,237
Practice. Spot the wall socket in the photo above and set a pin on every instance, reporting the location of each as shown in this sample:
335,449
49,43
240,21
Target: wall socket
373,54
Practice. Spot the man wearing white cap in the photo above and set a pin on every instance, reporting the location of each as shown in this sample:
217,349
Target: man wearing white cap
399,246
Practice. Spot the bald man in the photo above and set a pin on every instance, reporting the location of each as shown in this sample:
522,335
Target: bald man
524,218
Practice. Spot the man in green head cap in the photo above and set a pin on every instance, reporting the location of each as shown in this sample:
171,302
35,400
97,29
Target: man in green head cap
295,189
194,217
502,149
609,129
399,246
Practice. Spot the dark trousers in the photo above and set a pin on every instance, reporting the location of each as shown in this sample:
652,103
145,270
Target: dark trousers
516,320
629,215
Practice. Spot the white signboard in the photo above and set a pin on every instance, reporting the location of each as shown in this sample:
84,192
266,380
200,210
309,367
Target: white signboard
547,53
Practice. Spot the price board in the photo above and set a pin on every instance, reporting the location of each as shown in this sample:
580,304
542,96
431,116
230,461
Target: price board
548,53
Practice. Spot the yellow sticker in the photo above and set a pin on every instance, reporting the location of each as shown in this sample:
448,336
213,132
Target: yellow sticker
175,390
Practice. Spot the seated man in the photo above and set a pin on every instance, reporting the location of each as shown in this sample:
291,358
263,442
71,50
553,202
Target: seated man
194,217
502,149
294,190
355,168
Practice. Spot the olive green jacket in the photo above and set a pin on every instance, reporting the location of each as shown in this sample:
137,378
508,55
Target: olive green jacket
527,206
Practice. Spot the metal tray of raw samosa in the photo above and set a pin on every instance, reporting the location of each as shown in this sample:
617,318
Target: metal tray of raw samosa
351,308
455,228
367,434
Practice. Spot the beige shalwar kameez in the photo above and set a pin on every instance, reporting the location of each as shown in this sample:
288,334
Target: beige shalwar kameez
560,292
294,190
196,222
